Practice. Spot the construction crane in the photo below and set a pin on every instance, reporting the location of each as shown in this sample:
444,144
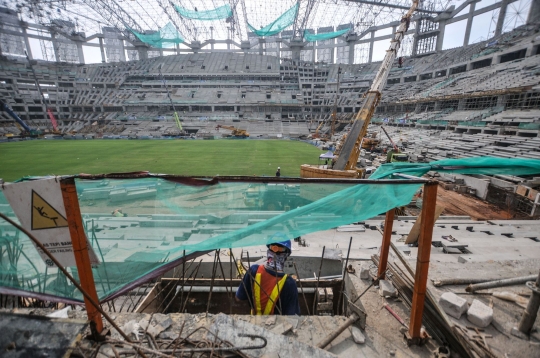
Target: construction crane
345,165
45,101
23,127
395,154
236,132
176,118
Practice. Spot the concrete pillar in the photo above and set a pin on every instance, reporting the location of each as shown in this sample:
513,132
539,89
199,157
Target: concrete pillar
80,52
143,52
102,50
370,58
27,43
261,46
351,52
122,50
502,15
55,47
534,12
415,38
440,35
469,24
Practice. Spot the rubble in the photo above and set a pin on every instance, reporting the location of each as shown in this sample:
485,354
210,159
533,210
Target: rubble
387,289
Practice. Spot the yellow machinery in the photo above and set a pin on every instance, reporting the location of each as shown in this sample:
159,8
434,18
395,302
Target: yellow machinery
236,132
345,165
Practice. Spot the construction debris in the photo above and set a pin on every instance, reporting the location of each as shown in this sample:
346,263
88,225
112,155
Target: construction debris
480,314
453,305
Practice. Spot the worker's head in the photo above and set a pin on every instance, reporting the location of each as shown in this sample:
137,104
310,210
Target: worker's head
278,168
279,249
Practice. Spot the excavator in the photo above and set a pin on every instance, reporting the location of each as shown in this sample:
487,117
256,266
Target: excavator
394,155
26,131
345,165
236,132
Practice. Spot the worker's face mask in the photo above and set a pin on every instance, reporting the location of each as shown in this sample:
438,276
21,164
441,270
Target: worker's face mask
276,260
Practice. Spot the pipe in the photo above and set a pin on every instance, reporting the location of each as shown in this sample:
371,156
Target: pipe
500,283
333,335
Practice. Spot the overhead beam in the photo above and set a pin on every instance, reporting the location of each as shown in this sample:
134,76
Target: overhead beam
393,6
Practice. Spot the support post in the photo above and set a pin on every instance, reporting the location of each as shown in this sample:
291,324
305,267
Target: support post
102,50
385,246
422,262
500,19
529,315
80,250
468,27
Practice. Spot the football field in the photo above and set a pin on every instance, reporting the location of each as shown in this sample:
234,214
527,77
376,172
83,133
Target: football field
183,157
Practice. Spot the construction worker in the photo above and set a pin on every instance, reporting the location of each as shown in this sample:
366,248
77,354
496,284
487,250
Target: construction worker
267,288
278,173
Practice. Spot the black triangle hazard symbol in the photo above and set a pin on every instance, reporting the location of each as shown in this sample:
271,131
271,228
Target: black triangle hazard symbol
44,216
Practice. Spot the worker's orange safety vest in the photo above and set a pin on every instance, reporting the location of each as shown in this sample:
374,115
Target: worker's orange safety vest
266,284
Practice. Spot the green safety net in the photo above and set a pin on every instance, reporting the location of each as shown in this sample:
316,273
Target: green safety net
165,37
219,13
309,37
278,25
166,219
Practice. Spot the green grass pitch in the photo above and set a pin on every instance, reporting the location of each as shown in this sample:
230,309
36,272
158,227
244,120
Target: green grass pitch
183,157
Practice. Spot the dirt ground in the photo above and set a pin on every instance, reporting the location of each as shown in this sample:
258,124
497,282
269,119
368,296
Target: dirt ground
464,204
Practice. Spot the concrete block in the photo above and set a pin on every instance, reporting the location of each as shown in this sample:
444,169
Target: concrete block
522,190
364,273
386,289
453,305
480,314
532,194
325,306
357,335
321,294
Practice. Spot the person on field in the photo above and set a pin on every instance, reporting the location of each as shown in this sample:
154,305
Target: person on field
267,288
278,173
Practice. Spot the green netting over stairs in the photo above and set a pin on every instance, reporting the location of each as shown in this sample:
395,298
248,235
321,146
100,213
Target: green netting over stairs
219,13
168,217
165,37
278,25
323,36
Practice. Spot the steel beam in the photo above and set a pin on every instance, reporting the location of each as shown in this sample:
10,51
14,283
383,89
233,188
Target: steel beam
302,16
393,6
116,16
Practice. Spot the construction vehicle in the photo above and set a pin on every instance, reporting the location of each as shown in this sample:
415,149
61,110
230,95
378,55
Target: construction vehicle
43,98
371,141
25,130
236,132
394,155
345,165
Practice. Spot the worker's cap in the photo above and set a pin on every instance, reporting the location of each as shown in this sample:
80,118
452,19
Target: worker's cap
280,243
278,167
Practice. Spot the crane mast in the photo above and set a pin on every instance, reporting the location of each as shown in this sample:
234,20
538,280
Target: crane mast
45,102
350,150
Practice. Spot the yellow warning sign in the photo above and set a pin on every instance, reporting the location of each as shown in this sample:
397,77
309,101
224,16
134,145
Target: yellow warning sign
44,216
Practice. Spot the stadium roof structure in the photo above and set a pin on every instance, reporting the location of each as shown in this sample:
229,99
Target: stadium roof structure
90,16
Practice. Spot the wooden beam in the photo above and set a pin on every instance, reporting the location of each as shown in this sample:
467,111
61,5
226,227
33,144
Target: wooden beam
385,246
80,250
422,261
